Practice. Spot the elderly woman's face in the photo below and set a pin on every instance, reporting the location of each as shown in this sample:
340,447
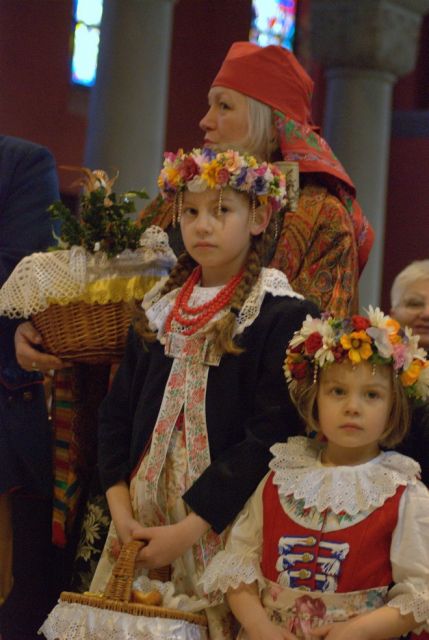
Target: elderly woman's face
227,120
413,310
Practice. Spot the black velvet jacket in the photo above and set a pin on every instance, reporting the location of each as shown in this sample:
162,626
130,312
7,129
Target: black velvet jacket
247,410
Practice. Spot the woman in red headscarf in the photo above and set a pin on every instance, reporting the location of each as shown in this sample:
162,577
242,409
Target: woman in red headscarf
260,102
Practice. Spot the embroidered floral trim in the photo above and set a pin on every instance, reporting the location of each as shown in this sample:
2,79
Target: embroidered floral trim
228,570
350,489
270,281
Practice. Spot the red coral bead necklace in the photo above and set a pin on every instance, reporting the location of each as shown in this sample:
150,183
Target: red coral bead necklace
203,313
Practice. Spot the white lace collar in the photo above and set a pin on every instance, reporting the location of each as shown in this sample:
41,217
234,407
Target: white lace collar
270,281
351,489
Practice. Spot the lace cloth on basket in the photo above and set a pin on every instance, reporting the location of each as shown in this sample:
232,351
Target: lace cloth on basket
70,621
299,472
270,281
66,276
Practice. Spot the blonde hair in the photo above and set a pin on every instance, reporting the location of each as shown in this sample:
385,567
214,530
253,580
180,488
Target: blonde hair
417,270
220,332
304,396
261,140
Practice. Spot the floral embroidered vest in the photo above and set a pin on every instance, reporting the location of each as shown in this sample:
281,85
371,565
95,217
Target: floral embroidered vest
347,559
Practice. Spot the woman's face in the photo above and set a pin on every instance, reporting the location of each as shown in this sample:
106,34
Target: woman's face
413,310
227,120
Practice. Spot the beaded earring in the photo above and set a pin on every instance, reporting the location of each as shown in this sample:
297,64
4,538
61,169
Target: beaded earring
315,372
253,208
219,204
177,208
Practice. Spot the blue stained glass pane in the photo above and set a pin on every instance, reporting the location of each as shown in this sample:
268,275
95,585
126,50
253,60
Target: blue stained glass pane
84,63
273,22
89,11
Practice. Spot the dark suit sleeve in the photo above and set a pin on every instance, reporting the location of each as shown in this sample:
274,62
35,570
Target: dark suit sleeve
28,185
221,491
117,411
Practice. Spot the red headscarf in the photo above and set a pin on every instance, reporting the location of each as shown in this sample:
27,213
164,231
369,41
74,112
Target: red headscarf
274,76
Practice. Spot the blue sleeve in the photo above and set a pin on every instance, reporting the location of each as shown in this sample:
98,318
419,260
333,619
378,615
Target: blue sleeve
28,185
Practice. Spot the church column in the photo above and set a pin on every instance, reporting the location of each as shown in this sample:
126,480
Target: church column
128,107
365,46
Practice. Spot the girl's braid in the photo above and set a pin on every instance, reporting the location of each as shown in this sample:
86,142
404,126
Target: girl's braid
178,275
221,333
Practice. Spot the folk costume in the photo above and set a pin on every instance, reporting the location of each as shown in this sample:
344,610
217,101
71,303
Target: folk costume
323,245
325,543
190,430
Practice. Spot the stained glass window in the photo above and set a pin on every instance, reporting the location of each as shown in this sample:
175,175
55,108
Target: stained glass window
273,22
87,18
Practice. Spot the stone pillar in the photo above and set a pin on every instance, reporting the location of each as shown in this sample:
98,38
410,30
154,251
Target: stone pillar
365,45
127,116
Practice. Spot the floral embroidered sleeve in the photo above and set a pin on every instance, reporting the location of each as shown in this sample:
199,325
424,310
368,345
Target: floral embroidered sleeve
410,557
317,251
240,561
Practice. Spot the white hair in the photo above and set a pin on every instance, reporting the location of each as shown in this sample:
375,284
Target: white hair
261,140
417,270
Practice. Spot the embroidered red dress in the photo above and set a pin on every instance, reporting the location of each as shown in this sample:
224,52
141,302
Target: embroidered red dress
326,543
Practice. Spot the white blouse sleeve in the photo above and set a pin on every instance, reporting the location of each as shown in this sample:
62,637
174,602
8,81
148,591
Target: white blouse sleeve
240,561
410,556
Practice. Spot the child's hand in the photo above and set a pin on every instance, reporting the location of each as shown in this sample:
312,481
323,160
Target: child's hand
128,529
349,630
267,630
165,544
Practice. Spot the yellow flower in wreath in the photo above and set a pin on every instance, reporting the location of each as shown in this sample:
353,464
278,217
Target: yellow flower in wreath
358,345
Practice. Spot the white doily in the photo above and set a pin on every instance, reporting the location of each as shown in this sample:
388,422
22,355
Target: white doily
270,281
351,489
63,275
71,621
228,570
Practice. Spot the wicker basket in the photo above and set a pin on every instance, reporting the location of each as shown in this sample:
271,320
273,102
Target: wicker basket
117,598
81,332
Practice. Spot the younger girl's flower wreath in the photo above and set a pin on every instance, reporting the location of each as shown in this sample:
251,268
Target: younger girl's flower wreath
203,169
377,339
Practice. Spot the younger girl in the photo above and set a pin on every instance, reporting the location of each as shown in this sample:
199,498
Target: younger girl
337,521
199,397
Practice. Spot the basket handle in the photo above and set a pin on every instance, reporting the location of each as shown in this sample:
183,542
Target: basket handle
121,581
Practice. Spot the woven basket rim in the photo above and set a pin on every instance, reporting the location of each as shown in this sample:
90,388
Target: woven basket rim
91,333
133,608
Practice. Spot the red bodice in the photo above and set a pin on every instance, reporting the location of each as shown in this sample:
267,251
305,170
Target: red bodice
347,559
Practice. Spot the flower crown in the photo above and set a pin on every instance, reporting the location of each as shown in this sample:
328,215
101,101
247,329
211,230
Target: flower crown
377,339
202,169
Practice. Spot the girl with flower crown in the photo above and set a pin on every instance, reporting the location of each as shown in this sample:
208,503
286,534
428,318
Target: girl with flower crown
199,397
333,543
